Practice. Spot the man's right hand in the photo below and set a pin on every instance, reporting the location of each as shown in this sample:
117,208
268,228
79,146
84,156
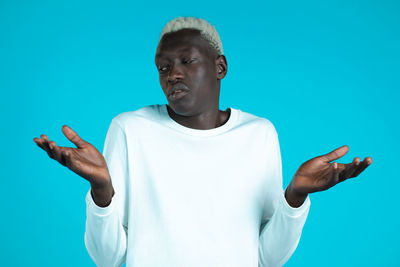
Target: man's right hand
85,160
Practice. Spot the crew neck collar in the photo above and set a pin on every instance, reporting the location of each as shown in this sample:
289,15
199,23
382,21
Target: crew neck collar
198,132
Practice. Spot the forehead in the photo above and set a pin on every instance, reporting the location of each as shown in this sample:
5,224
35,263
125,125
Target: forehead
179,49
181,42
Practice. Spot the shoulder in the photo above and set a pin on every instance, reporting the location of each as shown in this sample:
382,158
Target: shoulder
258,122
146,113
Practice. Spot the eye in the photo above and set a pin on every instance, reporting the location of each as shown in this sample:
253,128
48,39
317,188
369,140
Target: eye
163,68
188,61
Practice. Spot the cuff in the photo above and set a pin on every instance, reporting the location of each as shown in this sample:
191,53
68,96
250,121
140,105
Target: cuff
292,211
97,210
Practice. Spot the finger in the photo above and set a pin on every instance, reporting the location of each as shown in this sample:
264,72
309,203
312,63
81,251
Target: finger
45,143
38,142
66,158
349,169
362,166
336,154
73,136
354,166
56,150
335,173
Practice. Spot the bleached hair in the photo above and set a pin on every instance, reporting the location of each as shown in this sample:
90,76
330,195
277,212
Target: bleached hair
207,31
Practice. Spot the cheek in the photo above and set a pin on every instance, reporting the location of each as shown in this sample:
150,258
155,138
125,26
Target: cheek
209,78
163,83
162,78
203,74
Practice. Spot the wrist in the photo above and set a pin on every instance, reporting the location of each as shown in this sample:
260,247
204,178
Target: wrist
102,195
294,198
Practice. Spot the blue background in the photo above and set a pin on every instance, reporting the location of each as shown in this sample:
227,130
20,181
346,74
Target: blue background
326,73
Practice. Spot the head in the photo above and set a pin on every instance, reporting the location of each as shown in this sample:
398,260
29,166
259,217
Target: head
189,57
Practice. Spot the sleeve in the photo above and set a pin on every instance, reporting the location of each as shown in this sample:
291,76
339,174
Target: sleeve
106,227
282,224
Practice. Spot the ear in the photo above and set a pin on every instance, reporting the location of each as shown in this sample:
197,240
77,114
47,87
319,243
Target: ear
221,67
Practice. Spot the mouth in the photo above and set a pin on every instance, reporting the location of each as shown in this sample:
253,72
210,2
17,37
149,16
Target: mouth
177,90
177,94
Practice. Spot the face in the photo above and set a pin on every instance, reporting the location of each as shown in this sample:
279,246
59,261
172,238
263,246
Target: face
187,63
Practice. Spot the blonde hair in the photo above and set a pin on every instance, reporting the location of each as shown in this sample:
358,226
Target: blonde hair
207,31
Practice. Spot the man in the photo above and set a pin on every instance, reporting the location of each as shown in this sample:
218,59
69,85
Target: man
187,184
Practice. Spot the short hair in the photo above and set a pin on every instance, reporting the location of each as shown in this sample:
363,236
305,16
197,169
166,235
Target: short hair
207,31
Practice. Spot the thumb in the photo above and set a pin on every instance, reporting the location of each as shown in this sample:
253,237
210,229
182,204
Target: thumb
336,154
73,136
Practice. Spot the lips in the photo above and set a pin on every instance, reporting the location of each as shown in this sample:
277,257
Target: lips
177,94
177,88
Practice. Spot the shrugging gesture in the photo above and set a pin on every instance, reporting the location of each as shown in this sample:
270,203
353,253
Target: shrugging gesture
319,174
85,160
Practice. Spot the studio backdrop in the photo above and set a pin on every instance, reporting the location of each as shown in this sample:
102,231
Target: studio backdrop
325,73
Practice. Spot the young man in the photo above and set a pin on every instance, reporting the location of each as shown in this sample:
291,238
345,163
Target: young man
187,184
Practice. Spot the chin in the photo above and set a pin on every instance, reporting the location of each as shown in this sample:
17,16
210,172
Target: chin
182,108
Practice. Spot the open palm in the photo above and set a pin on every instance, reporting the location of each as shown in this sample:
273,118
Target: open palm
318,174
85,160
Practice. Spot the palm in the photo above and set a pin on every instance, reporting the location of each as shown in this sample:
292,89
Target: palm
318,174
85,160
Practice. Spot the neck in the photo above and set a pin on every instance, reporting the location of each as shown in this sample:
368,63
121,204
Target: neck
212,118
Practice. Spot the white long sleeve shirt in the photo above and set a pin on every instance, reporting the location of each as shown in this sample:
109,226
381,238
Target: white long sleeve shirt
186,197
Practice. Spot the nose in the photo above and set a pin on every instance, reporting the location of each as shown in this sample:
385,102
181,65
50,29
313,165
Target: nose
175,73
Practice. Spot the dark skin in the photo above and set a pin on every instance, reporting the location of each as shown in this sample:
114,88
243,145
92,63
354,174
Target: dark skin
185,59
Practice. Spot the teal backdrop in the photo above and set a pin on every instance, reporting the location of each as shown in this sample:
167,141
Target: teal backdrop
325,73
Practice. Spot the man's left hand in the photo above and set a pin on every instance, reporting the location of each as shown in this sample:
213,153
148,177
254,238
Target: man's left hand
318,174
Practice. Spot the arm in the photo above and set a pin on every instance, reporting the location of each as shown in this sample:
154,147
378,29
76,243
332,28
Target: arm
317,174
105,238
281,233
106,227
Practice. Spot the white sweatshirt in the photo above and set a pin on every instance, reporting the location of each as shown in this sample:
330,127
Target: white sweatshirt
186,197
